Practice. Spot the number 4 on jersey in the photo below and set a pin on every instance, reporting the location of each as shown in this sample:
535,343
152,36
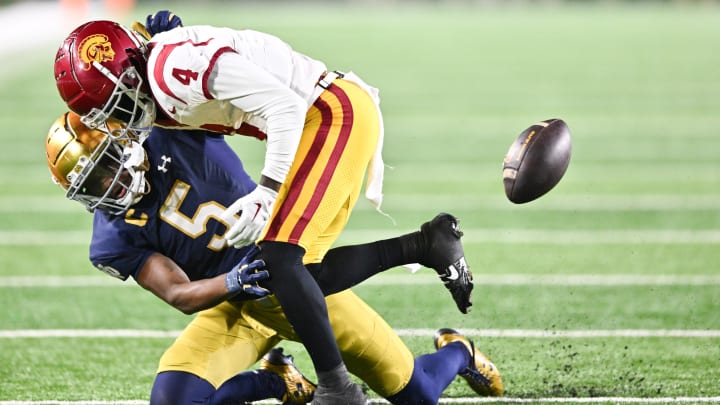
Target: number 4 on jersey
184,76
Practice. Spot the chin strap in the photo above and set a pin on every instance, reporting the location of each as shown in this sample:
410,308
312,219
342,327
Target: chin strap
137,164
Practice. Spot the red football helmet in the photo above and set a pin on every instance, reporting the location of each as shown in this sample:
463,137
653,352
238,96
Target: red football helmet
100,73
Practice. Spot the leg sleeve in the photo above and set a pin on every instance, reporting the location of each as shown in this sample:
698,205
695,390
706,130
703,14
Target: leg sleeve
302,302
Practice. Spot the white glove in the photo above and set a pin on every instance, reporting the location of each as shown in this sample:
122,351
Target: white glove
254,210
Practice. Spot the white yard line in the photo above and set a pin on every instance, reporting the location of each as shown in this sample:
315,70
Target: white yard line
429,277
483,400
424,278
586,400
487,333
571,334
63,281
421,202
472,235
568,203
566,237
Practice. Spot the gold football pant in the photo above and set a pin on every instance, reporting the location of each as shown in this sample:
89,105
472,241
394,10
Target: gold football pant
229,338
313,206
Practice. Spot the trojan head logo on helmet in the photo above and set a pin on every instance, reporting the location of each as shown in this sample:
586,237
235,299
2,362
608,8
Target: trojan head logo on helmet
97,169
96,48
100,74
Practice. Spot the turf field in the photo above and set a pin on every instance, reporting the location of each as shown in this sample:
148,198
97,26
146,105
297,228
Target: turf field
606,290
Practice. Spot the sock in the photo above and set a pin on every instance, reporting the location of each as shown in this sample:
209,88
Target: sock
432,374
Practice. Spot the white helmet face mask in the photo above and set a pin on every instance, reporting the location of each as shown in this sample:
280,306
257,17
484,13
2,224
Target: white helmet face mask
112,179
127,104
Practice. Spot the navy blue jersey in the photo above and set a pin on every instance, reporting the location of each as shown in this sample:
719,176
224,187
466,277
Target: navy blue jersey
193,176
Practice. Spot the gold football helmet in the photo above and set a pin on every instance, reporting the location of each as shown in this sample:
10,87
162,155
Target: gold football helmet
97,168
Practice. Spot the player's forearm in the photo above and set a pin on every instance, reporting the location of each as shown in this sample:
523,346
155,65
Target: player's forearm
164,278
198,295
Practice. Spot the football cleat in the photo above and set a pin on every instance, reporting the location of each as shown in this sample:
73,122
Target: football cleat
482,375
444,253
299,389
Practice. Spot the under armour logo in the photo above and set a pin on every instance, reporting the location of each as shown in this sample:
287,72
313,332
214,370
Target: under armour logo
163,166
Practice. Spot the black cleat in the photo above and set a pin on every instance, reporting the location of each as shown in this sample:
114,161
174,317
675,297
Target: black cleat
482,375
299,389
444,253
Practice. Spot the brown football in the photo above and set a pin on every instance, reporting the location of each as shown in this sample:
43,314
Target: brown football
537,160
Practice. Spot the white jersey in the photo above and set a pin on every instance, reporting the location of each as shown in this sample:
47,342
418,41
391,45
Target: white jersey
223,79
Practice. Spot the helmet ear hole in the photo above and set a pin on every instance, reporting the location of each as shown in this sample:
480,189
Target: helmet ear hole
137,59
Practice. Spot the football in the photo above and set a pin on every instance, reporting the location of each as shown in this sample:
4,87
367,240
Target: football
537,160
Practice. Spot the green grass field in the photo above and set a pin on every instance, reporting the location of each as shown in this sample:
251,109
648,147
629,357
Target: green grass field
608,287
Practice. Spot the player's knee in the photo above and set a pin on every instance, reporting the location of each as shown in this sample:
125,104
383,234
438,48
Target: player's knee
289,279
281,255
284,261
178,388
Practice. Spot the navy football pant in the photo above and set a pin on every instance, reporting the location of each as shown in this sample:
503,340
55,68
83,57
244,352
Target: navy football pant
182,388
